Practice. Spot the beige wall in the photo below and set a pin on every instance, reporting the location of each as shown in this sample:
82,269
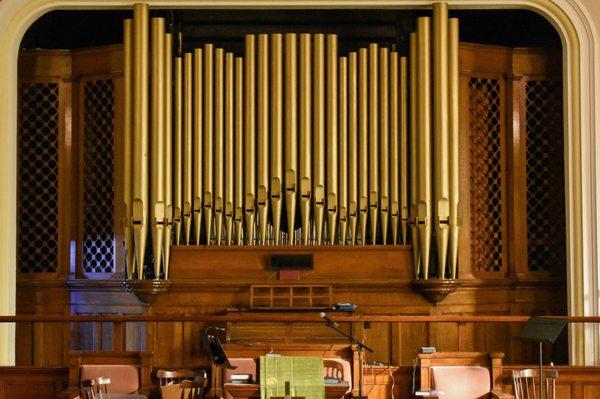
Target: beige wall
579,24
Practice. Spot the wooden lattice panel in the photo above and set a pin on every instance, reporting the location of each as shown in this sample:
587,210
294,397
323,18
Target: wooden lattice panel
38,143
545,175
98,204
486,181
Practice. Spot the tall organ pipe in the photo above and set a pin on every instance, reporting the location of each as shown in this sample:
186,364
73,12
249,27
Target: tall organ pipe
343,146
219,65
168,132
291,131
332,136
198,156
157,208
262,145
250,137
229,147
188,110
403,150
394,146
373,139
305,135
209,150
238,200
276,133
318,135
139,219
128,143
363,139
178,148
453,127
424,141
353,145
414,137
441,134
384,141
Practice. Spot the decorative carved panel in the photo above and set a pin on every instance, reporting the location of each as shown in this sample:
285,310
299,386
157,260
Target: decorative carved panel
38,147
545,175
98,199
486,185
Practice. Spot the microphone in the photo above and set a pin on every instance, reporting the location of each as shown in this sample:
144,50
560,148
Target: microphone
328,320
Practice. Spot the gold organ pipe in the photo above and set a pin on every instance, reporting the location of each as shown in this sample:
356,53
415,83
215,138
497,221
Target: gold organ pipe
157,185
384,150
305,135
139,219
441,188
343,146
276,133
128,143
291,133
332,136
197,155
453,74
262,109
373,140
424,140
318,134
168,132
363,140
403,150
352,145
219,144
414,134
249,137
229,147
239,150
394,147
187,144
178,148
209,150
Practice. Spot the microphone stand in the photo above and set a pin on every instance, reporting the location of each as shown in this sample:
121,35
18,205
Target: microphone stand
360,346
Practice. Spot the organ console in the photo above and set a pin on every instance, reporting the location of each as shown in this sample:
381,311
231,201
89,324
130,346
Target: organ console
292,143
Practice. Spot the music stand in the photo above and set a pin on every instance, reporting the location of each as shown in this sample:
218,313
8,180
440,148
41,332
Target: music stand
216,351
542,329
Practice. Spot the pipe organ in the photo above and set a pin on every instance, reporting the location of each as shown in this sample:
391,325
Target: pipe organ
292,143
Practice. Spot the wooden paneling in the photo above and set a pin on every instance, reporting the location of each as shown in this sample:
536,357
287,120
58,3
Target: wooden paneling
32,382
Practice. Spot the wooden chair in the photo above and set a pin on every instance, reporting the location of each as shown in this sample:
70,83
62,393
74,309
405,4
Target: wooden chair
172,383
193,389
468,375
88,389
333,369
103,383
526,386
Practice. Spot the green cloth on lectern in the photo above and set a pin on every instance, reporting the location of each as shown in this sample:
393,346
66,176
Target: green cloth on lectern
305,374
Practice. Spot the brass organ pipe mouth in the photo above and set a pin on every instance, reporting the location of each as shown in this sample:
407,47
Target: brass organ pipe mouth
187,145
453,79
403,150
363,139
168,132
139,219
262,199
178,149
353,145
208,144
197,154
305,135
239,150
219,64
395,160
128,144
276,133
384,154
249,137
343,146
373,139
157,208
229,147
441,162
291,132
318,160
414,134
332,136
424,140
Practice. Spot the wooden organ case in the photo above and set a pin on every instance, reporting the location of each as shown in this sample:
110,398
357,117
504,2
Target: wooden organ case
510,256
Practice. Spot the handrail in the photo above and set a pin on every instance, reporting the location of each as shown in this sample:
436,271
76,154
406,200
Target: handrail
281,317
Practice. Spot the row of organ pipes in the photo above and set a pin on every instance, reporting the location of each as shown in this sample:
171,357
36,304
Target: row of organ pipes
291,144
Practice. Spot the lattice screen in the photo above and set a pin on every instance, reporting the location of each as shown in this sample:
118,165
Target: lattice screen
485,146
38,177
545,175
98,198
